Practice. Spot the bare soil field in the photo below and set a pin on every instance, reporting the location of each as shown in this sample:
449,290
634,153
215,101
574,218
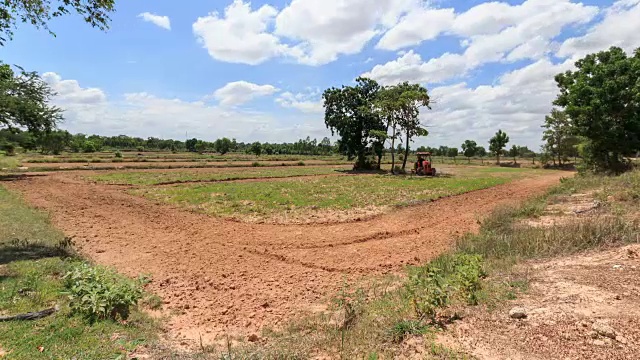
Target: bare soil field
219,277
167,164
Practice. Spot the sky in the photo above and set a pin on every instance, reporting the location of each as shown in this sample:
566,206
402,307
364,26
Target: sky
256,70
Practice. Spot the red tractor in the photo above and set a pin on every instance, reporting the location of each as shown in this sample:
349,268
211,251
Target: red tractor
423,165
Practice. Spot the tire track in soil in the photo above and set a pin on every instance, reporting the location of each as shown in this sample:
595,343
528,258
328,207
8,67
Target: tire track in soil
223,277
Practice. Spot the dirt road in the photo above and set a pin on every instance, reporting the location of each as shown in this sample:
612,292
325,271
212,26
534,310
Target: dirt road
221,276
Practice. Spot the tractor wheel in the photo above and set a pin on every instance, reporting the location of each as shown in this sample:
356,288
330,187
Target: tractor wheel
433,172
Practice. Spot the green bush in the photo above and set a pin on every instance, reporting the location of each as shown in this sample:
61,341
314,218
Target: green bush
433,286
8,148
118,154
404,328
100,293
89,147
301,163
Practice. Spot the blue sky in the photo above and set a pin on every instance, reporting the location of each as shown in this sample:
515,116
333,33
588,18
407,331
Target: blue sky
255,70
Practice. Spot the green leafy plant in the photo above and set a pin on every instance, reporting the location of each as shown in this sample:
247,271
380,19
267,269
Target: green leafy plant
403,328
434,286
118,154
100,293
468,272
429,291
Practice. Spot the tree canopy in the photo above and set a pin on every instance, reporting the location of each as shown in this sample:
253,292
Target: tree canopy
24,101
399,108
350,112
39,12
412,97
602,100
559,141
469,149
497,143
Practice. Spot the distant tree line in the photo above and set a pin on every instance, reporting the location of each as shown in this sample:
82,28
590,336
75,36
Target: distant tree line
471,149
57,141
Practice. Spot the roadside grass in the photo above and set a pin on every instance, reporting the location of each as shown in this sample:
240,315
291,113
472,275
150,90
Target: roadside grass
158,178
33,259
374,320
502,235
296,197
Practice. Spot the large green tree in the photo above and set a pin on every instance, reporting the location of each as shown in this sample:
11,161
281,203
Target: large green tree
222,146
350,112
54,142
39,12
412,97
497,144
469,149
482,152
453,153
389,107
558,137
602,99
24,101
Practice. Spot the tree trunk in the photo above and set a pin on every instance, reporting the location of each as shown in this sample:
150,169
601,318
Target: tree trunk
469,160
393,151
406,153
361,159
498,158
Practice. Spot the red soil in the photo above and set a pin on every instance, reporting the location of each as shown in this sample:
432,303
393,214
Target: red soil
222,276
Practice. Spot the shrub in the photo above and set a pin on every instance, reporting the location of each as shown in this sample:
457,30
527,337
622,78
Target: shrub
8,148
301,163
140,149
118,154
255,164
403,328
100,293
433,286
89,147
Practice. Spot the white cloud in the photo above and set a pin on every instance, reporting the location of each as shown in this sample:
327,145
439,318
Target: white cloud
69,91
411,67
161,21
485,18
325,29
498,32
312,32
417,26
90,111
241,35
620,27
307,103
240,92
517,104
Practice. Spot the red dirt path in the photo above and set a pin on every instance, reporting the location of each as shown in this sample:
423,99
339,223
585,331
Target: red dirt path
223,276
